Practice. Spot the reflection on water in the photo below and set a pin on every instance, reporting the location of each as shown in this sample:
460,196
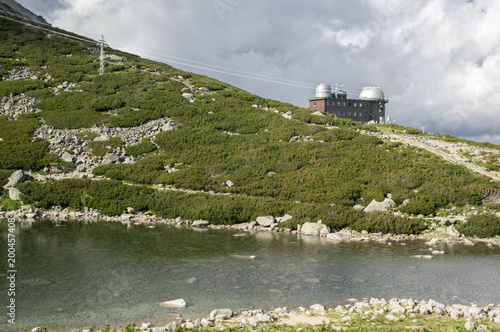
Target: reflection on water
77,274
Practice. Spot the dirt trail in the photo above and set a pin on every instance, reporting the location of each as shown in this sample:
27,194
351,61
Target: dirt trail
454,152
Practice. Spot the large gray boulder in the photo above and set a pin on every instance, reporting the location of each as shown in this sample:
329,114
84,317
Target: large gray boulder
68,157
265,221
110,158
286,217
14,194
375,206
312,228
16,177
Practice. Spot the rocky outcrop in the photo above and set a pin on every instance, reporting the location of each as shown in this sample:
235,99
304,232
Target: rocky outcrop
14,105
14,8
17,177
63,140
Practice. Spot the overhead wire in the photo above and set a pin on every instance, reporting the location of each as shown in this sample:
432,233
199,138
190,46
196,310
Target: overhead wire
189,63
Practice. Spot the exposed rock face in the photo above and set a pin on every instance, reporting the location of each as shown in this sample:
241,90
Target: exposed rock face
380,206
13,8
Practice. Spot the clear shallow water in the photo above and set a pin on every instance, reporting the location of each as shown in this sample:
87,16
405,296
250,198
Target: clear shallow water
75,274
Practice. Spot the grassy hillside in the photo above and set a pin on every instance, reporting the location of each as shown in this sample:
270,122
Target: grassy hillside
309,166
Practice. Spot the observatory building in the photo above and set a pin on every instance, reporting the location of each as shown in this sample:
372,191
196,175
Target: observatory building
368,107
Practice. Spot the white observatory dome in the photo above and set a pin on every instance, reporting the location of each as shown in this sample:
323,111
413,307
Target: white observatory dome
324,90
372,93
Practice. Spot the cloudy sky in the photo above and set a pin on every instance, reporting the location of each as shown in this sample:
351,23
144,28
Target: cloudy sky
438,61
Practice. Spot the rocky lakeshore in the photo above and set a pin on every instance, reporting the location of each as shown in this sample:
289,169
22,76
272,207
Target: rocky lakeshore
439,232
369,314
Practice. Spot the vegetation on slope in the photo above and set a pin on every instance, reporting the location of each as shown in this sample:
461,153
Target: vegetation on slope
300,166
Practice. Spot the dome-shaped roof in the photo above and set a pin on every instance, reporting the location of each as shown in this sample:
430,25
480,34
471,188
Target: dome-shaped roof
372,93
324,90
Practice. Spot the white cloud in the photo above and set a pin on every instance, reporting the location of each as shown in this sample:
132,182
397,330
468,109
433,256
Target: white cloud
437,60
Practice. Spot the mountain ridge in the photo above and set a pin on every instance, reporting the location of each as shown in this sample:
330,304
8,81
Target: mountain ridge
12,7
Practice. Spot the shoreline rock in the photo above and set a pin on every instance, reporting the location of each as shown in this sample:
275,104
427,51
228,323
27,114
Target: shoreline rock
371,312
310,229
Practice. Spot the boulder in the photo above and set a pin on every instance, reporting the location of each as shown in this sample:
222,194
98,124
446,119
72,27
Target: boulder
102,138
335,237
221,313
16,177
470,326
391,318
255,320
286,217
228,184
312,228
68,157
358,207
179,303
28,209
265,221
200,223
380,206
14,194
317,309
110,158
452,231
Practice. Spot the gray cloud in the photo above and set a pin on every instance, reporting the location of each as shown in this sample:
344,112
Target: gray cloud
437,60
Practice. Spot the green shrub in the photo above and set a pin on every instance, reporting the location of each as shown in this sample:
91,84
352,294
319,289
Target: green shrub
420,205
482,225
139,149
383,222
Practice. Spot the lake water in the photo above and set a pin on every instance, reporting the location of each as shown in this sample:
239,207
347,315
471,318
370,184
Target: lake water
76,274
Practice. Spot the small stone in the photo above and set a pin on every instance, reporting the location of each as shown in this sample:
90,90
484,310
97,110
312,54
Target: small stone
179,303
227,313
470,325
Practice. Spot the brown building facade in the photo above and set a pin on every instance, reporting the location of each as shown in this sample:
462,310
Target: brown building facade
369,107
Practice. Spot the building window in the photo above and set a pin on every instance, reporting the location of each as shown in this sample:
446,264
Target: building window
327,103
338,104
344,103
355,105
314,103
354,113
349,113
